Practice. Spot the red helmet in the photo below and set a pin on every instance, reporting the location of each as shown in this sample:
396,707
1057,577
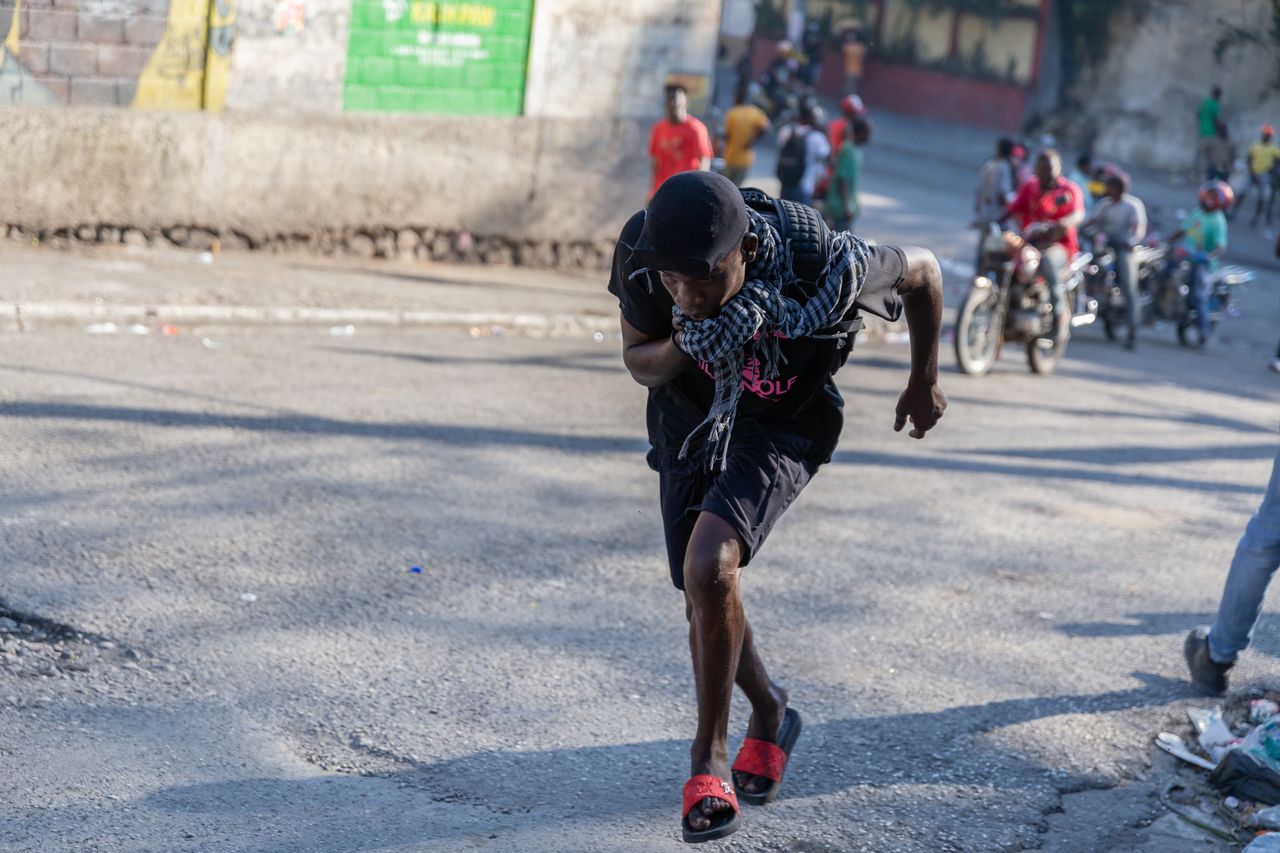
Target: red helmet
1268,130
1217,195
851,105
1109,172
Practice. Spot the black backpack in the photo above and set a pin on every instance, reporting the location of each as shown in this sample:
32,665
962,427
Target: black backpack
793,159
810,242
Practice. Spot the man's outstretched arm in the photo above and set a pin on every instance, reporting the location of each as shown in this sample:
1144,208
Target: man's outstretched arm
651,361
923,402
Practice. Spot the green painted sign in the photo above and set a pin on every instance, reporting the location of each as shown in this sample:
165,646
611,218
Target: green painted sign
414,56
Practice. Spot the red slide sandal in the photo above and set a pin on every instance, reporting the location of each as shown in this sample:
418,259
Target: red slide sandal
724,823
761,758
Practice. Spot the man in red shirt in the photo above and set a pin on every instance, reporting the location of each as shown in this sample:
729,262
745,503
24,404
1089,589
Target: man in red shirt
1055,206
679,142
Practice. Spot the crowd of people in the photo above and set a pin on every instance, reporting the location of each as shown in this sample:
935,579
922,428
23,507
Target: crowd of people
819,161
1095,200
1216,159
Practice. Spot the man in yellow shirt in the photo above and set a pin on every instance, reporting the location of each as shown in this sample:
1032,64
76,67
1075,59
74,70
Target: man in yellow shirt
1263,156
743,127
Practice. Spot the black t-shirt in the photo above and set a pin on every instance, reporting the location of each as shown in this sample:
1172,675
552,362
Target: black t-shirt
802,399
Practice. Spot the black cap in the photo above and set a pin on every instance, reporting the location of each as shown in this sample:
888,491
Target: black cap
693,221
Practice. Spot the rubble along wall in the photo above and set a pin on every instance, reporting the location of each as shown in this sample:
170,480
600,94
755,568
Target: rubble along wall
1140,103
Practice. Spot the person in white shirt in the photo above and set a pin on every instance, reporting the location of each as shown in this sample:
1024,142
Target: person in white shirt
1123,219
803,150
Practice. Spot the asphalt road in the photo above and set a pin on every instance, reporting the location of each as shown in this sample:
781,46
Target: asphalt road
972,624
211,549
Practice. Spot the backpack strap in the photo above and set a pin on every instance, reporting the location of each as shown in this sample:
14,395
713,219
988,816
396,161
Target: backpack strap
810,242
809,238
801,226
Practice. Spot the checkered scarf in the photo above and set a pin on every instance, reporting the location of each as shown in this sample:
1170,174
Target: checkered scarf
759,315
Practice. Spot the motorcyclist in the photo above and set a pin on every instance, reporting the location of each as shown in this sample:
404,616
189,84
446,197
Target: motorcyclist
1122,219
1202,240
997,187
781,78
1048,209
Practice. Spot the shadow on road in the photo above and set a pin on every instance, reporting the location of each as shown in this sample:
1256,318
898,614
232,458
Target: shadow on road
1266,637
467,436
525,790
605,361
903,461
1124,454
426,278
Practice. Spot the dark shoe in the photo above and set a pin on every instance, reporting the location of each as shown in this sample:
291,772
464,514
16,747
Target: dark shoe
1207,675
1130,345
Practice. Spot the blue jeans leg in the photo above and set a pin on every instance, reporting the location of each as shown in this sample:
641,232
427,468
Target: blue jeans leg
1256,560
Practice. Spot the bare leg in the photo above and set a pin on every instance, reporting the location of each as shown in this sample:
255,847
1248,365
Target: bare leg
768,703
716,629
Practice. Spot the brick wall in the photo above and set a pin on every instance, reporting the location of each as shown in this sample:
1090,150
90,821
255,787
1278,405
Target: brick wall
79,51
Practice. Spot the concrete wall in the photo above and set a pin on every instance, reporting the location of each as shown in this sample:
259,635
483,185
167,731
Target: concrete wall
611,57
291,62
284,165
1143,98
316,179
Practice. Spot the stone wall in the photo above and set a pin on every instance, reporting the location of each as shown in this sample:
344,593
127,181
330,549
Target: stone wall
1140,103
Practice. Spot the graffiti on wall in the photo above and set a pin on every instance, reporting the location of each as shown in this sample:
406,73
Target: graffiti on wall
189,68
290,17
117,52
17,85
438,57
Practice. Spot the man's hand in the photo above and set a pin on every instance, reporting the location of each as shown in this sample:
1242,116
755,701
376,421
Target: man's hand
923,404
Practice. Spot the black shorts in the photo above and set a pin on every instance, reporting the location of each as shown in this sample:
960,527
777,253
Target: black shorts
763,474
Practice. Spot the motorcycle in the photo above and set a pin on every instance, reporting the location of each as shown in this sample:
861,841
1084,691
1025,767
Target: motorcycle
1103,285
1172,296
1008,301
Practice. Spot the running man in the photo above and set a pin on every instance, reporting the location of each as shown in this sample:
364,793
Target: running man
742,411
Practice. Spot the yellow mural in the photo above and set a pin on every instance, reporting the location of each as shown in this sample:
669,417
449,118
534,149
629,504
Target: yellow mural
222,33
189,68
11,40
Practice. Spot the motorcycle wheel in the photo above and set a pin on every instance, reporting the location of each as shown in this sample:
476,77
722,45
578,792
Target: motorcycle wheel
1189,330
1115,321
1043,355
1107,325
978,330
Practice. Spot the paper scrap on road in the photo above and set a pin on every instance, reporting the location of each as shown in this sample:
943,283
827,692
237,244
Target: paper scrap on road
1175,746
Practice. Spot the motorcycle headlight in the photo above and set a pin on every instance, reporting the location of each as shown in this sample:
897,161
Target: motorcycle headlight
1028,263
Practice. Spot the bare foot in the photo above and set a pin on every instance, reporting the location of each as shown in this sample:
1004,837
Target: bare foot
704,813
766,719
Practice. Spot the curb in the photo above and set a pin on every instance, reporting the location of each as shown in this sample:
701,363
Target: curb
18,314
